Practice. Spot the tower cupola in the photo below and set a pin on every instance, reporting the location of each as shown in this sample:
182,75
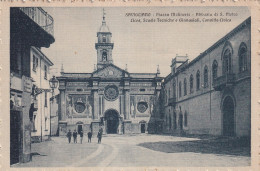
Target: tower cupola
104,46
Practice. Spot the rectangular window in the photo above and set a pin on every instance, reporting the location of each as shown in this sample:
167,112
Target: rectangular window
45,72
45,102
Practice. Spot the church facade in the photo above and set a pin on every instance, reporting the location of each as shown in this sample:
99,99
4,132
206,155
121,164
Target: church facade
110,97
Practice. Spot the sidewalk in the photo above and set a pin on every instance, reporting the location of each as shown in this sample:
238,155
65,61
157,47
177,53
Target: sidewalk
59,153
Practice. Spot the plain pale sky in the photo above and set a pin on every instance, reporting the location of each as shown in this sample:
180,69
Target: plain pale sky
142,46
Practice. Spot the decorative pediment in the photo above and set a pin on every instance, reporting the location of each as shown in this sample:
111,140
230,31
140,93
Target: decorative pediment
110,71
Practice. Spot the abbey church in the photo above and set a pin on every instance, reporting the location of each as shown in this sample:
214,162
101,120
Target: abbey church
210,94
110,97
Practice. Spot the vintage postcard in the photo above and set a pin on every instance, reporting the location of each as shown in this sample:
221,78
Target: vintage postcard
121,86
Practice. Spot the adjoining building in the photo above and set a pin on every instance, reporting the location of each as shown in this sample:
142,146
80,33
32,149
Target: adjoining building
40,74
212,93
110,97
29,28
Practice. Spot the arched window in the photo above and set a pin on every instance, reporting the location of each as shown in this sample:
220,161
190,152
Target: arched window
185,119
198,80
215,69
179,89
104,56
104,39
242,57
191,83
206,77
227,62
185,86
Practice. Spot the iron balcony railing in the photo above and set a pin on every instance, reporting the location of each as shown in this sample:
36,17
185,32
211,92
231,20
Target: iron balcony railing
223,81
41,17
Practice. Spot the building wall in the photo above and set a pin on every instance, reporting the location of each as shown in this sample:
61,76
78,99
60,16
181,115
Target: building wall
204,107
42,115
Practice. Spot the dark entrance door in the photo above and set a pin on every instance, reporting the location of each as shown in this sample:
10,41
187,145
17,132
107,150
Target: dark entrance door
143,128
15,129
112,121
79,128
228,117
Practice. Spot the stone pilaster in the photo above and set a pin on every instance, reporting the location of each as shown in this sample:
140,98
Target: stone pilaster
95,98
62,114
126,98
94,127
127,104
62,105
96,104
127,127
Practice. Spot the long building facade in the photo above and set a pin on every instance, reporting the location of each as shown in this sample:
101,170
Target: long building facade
110,98
212,93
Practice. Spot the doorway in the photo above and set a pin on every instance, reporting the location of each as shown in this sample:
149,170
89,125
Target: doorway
228,117
142,127
112,120
79,128
15,143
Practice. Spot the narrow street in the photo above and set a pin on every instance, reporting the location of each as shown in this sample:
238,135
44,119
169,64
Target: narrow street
138,150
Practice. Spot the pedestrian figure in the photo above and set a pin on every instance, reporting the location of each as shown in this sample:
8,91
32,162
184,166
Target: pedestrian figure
75,134
89,136
101,130
99,136
69,136
81,136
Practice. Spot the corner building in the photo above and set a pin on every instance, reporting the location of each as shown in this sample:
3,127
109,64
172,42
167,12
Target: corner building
212,93
110,97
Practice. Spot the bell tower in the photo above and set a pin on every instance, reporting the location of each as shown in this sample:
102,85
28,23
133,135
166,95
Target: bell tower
104,46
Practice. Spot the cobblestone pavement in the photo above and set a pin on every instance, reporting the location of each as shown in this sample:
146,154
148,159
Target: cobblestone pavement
140,150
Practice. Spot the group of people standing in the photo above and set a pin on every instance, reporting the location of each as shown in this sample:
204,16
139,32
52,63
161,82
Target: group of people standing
75,136
81,134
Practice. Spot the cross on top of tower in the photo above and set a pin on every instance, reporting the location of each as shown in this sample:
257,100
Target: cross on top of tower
104,17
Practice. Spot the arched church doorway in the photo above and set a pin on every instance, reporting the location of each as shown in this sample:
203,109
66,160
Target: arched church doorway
228,110
112,121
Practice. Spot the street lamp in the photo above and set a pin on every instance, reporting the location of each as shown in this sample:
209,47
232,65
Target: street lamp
53,84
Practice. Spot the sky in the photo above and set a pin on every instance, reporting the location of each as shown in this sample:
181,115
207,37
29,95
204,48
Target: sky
142,46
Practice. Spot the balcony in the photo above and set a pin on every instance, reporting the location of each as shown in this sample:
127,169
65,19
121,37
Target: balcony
33,24
223,81
172,101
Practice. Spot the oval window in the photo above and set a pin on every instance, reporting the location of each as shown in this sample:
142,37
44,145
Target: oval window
80,107
142,107
111,93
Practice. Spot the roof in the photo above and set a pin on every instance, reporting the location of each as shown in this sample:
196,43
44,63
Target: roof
104,28
44,57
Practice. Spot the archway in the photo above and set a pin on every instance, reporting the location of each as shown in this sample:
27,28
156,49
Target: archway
228,117
112,121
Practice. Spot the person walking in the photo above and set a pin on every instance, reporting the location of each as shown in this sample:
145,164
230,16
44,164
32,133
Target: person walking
101,130
81,136
99,136
69,136
75,134
89,136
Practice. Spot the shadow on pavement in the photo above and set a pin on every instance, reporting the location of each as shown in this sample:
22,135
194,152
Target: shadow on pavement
37,154
219,146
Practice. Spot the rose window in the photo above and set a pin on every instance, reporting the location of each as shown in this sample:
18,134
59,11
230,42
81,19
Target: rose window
142,107
111,92
80,107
